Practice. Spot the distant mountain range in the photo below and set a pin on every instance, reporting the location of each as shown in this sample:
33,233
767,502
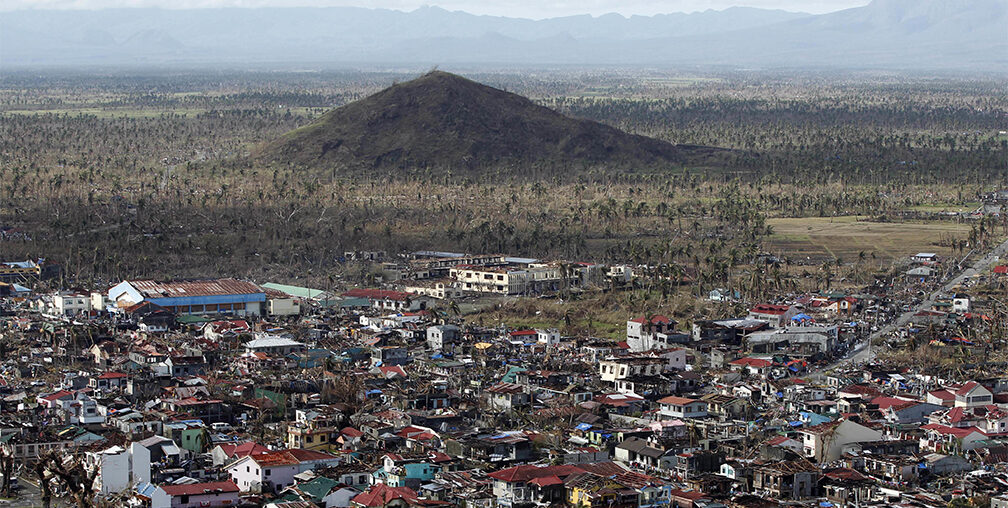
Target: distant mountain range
443,121
897,34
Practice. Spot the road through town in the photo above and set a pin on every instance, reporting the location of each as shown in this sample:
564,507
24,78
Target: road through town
863,352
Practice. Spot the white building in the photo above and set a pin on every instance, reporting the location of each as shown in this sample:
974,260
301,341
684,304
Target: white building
828,441
647,333
682,407
113,469
973,394
274,471
273,345
443,337
278,306
549,336
71,304
961,303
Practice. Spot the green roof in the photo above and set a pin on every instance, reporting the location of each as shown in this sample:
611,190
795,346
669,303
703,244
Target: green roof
192,319
354,302
297,291
318,488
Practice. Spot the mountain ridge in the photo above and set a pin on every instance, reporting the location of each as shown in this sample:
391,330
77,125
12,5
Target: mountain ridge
898,34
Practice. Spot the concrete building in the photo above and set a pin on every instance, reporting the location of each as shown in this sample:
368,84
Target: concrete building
827,442
71,304
273,345
113,466
443,337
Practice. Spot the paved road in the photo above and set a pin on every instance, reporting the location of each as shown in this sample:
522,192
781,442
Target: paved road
862,353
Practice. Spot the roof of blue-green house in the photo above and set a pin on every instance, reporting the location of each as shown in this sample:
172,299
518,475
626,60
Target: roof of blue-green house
318,488
512,372
298,291
353,302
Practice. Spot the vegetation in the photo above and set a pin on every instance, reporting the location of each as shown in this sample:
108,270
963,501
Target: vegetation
147,175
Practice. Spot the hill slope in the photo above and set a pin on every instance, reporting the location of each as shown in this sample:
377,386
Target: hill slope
441,120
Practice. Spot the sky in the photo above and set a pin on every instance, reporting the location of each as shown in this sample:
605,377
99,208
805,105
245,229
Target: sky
516,8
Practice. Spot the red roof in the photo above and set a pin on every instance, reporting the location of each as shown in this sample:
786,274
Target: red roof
955,414
887,402
393,371
843,473
942,394
1001,269
672,399
758,363
765,308
309,455
955,431
195,489
380,495
112,375
62,394
351,432
519,333
546,481
966,388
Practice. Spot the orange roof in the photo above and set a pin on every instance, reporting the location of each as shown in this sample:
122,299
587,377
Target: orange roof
672,399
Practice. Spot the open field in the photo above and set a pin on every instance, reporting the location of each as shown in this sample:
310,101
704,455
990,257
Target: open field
822,238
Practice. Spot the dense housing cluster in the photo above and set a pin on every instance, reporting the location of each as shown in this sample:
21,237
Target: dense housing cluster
225,392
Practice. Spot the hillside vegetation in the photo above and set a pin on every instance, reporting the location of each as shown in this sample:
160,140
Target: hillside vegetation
444,122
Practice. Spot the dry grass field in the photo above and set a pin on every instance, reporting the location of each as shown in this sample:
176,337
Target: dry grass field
823,238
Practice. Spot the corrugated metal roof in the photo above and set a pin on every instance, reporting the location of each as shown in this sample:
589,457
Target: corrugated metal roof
207,287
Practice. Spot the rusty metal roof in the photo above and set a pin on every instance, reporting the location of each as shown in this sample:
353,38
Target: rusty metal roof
205,287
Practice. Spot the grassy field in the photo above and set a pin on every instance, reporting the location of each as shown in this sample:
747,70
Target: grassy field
821,238
947,207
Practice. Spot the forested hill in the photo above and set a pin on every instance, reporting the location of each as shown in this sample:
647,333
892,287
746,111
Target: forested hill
442,121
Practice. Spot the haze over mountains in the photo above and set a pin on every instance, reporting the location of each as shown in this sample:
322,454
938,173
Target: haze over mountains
903,34
444,121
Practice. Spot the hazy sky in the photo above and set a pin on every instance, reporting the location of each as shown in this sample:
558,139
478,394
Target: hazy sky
517,8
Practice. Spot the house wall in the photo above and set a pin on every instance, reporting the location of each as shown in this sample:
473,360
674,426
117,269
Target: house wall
283,307
141,463
115,472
